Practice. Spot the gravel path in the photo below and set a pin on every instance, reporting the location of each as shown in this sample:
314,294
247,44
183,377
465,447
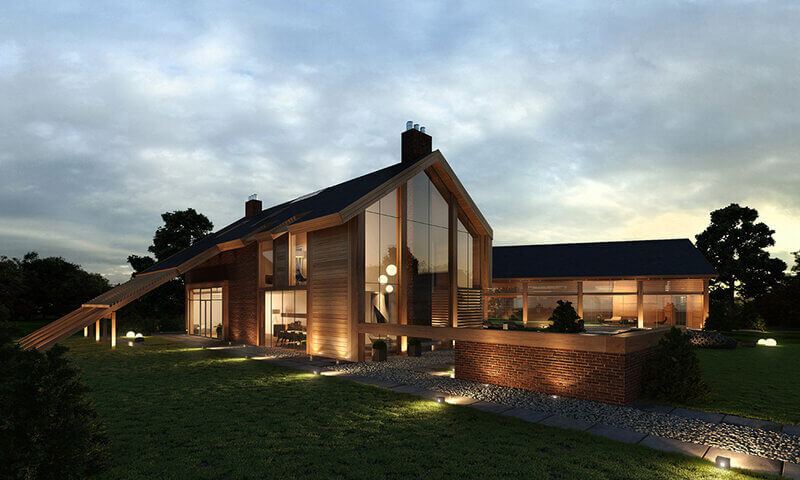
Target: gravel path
413,371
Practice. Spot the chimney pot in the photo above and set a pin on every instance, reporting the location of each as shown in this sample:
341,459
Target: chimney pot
415,144
252,206
409,125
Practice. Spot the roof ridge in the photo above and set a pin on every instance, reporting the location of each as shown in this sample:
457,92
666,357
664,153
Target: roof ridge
594,243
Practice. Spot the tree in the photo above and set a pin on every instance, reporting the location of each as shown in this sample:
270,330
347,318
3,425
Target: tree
796,266
163,308
181,229
736,246
45,287
48,429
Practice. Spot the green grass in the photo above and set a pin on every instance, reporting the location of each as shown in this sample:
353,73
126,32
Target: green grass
760,382
172,411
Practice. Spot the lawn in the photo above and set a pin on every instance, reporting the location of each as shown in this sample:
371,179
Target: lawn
760,382
178,412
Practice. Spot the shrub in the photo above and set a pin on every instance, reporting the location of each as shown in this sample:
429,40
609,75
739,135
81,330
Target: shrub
48,430
565,319
379,345
414,341
672,373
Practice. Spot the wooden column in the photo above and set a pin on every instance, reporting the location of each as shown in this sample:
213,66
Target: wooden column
706,303
113,329
97,331
356,286
525,303
402,275
640,302
580,299
104,322
452,259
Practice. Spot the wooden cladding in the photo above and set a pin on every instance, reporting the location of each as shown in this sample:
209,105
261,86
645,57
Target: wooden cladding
329,292
470,307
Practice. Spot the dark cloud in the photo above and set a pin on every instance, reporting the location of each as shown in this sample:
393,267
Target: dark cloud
567,122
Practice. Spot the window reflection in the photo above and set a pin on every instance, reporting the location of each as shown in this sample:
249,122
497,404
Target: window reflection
427,260
286,319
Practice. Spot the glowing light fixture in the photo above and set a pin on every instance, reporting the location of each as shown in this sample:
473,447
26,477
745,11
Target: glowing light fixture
139,335
553,396
383,279
391,270
439,398
767,342
389,289
130,334
316,372
723,462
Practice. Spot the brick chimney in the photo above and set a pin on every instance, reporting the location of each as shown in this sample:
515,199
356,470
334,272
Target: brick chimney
414,143
252,205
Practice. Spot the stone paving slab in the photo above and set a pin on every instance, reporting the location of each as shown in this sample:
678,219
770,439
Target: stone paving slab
490,407
614,433
792,429
566,422
791,470
652,407
459,400
705,416
526,414
742,460
672,445
752,423
420,392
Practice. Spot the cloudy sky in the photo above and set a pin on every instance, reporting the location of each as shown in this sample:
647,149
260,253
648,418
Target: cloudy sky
567,122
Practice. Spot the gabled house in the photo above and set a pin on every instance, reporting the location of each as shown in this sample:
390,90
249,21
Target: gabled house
405,252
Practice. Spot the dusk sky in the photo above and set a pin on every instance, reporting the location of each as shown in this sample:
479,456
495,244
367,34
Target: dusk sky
566,121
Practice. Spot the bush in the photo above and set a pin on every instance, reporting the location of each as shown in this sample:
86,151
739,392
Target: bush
565,319
379,345
414,341
48,430
672,373
727,316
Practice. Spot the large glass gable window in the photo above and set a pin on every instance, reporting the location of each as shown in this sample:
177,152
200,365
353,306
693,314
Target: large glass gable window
427,260
381,270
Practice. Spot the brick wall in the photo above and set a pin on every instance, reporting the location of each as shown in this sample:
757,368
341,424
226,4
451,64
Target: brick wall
603,377
240,268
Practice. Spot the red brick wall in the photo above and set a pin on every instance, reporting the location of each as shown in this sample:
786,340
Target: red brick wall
240,268
603,377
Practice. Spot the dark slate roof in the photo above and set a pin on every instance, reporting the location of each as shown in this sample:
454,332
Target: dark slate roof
601,259
307,207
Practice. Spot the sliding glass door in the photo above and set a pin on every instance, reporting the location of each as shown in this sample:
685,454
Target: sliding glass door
206,311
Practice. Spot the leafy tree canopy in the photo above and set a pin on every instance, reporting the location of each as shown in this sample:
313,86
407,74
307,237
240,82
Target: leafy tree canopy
50,286
736,246
796,266
181,229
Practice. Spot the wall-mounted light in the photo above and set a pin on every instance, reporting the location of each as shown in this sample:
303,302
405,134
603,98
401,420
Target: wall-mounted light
391,270
723,462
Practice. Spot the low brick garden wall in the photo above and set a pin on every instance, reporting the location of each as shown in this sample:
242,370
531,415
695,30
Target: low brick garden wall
606,370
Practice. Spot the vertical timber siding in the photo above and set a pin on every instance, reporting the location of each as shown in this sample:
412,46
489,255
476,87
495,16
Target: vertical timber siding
329,292
240,268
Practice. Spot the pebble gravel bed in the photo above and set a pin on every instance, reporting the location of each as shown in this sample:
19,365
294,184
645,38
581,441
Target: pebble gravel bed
415,371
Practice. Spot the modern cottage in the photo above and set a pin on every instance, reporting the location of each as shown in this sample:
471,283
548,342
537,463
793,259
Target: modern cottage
405,252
